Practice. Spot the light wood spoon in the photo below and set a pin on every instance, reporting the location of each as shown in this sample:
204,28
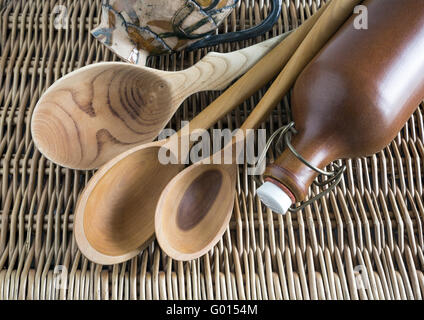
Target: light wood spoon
114,217
94,113
195,208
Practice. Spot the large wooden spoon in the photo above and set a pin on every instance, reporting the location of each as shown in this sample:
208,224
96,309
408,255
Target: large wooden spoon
196,206
114,218
93,114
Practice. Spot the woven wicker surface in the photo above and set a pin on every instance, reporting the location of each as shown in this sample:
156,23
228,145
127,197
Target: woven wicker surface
363,241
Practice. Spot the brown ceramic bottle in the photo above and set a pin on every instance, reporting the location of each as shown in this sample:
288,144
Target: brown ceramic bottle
354,97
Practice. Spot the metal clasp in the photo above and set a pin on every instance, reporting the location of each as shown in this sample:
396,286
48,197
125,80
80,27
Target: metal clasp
334,177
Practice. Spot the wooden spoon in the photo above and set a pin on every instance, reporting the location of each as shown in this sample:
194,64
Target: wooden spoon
114,217
196,206
93,114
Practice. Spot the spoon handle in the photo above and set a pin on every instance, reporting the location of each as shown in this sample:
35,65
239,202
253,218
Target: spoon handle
216,70
254,79
220,69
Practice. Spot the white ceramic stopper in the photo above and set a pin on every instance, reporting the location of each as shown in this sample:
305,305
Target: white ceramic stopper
274,198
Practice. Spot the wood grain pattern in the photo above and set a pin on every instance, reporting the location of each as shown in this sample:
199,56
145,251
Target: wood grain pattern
93,114
104,246
184,244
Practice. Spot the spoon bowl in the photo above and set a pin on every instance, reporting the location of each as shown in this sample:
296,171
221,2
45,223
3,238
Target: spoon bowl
195,209
111,229
104,109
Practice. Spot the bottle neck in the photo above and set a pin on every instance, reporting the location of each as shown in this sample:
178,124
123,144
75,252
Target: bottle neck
293,173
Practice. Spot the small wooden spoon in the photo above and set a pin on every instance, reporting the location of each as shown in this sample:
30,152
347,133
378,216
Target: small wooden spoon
114,217
196,206
93,114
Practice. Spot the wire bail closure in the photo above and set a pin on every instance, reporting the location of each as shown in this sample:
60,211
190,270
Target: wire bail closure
334,177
